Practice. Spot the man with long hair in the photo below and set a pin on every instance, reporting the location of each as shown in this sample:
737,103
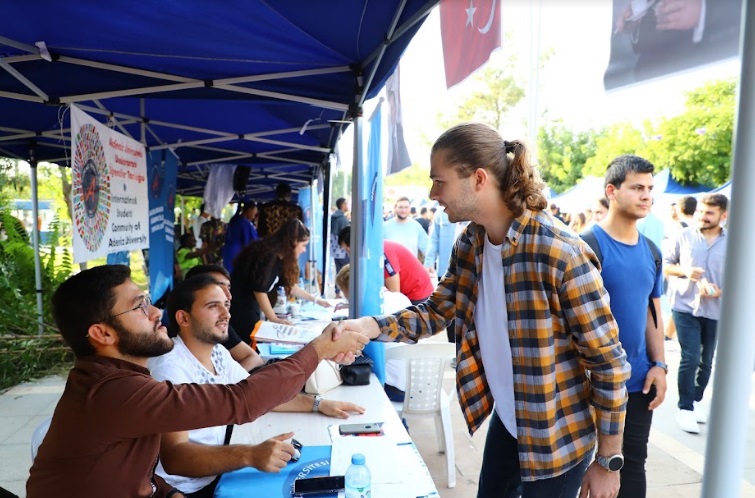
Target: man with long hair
531,318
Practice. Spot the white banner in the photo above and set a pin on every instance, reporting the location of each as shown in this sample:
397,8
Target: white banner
109,190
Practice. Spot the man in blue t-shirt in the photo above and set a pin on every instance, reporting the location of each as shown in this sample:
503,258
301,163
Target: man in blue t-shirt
634,281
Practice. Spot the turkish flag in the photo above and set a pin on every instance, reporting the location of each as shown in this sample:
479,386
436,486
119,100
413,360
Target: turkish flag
470,31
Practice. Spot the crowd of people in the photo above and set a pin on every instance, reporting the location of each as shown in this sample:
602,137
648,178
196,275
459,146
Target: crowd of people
558,330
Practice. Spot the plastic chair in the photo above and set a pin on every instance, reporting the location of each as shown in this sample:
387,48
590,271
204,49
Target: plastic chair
425,364
39,435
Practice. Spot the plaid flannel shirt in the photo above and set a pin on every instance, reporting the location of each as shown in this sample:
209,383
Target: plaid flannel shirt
560,328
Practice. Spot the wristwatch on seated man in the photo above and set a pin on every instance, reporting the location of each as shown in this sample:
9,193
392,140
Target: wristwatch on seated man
612,463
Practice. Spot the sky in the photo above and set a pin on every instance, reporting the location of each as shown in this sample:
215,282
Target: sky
570,84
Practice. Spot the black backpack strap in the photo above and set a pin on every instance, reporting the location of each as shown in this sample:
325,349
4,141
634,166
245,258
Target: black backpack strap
589,237
658,264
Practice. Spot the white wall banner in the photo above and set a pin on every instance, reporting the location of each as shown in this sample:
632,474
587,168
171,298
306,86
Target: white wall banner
109,190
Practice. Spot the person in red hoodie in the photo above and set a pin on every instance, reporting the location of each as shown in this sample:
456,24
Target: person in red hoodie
402,271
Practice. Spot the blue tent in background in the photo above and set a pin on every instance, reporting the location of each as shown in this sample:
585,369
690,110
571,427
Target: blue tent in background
664,183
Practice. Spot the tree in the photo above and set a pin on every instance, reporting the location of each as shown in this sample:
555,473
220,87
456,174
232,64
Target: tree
697,145
562,155
616,140
498,92
415,176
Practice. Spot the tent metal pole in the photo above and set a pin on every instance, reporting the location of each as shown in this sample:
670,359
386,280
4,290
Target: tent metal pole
356,273
327,194
724,454
35,241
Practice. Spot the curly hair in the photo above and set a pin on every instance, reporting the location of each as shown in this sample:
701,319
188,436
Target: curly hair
469,146
251,260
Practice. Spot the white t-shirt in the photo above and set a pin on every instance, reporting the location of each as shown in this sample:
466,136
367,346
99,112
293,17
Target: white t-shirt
491,322
180,366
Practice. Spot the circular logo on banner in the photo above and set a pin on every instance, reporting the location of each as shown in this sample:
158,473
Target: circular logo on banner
90,187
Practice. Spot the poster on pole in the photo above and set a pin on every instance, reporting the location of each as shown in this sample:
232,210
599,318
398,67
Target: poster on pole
163,168
371,259
108,190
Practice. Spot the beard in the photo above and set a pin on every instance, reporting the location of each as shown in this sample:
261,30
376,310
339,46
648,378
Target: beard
207,334
141,345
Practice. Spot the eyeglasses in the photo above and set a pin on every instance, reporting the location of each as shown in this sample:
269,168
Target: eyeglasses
144,306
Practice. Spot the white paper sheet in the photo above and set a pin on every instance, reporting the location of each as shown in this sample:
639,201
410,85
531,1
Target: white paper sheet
379,454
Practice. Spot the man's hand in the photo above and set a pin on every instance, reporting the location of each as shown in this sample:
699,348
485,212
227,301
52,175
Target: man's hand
337,346
271,455
366,326
339,409
694,273
656,376
713,291
678,14
600,483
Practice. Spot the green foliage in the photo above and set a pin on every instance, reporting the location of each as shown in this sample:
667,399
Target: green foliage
619,139
415,176
563,155
697,145
24,352
499,91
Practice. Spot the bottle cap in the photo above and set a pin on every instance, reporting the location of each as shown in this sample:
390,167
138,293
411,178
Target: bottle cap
357,459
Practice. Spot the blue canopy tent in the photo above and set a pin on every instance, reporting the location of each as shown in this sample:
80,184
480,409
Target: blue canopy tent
664,183
267,85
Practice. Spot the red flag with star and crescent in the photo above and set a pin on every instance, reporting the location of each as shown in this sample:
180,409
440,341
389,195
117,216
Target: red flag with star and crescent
470,31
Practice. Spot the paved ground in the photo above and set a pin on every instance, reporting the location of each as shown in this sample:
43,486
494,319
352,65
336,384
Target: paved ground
675,461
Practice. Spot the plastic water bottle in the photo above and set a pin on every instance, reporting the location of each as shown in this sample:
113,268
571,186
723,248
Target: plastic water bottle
358,478
280,303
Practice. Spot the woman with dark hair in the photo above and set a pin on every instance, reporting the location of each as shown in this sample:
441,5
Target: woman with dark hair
263,266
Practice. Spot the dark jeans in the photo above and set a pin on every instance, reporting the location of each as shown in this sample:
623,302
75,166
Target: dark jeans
697,338
500,475
635,449
340,263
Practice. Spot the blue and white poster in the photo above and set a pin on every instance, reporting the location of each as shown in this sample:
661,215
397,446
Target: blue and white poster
161,168
371,257
108,190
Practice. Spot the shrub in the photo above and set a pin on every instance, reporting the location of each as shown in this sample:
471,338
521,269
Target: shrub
27,348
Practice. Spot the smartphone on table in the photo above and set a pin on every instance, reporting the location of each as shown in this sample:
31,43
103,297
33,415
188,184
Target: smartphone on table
357,429
313,486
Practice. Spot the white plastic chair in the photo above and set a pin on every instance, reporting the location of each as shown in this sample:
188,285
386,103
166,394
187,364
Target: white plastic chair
425,366
39,435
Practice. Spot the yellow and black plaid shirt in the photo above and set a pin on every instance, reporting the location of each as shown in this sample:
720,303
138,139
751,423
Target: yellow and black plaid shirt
560,328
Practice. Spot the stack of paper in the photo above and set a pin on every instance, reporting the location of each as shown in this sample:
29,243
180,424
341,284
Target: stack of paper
266,331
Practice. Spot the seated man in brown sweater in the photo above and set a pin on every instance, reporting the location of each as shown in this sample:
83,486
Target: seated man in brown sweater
105,432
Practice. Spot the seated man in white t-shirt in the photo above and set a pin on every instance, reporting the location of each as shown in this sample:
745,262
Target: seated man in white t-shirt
192,460
395,370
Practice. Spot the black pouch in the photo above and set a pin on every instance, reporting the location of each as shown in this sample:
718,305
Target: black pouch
358,373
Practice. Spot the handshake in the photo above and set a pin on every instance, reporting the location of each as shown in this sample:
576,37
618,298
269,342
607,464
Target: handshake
343,341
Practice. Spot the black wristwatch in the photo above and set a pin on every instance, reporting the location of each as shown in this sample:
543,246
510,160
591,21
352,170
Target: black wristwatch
612,463
659,364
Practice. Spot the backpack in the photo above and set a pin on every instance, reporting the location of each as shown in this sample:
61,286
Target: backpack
589,237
